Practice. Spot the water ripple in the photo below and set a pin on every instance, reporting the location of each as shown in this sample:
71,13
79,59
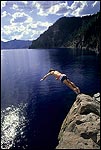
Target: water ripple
12,122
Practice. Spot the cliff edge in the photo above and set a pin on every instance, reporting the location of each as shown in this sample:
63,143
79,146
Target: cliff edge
81,127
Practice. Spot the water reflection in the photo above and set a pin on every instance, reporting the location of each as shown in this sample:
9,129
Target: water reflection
20,70
12,123
33,111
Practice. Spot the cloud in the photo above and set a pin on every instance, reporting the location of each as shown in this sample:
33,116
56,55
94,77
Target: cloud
4,14
62,9
73,8
90,7
3,3
54,9
38,27
12,6
49,7
20,17
44,5
14,31
15,7
25,2
82,8
26,34
77,7
18,37
22,6
29,19
95,3
26,29
46,8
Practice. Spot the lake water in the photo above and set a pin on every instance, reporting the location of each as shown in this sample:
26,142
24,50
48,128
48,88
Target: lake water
32,111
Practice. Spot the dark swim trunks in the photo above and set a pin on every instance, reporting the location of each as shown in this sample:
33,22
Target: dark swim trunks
63,77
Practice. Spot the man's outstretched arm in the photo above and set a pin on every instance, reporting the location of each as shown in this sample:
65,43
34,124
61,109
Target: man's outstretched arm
45,76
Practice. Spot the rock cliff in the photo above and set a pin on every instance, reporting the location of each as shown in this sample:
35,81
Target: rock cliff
81,127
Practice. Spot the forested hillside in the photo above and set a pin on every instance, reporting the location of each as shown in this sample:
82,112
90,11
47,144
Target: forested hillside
76,32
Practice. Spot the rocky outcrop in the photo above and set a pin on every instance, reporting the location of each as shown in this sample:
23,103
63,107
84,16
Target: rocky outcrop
81,127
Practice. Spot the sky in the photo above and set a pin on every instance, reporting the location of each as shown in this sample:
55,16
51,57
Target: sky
26,20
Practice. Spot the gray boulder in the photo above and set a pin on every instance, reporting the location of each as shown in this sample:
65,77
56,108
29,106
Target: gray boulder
81,127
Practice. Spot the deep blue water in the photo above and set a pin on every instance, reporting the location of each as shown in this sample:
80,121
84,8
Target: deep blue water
32,111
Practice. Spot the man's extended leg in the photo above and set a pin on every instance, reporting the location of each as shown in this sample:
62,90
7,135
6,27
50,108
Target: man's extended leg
72,86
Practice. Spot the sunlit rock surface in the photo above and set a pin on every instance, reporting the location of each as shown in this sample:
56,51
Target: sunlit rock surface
81,127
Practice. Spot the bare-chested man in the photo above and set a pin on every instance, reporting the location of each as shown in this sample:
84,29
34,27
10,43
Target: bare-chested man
63,78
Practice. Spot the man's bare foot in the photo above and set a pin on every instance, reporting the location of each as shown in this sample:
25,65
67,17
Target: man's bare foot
76,90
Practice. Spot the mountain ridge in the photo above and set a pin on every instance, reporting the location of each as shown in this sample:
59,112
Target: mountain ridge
75,32
15,44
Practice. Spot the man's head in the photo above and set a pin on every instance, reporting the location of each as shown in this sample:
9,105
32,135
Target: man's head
51,70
